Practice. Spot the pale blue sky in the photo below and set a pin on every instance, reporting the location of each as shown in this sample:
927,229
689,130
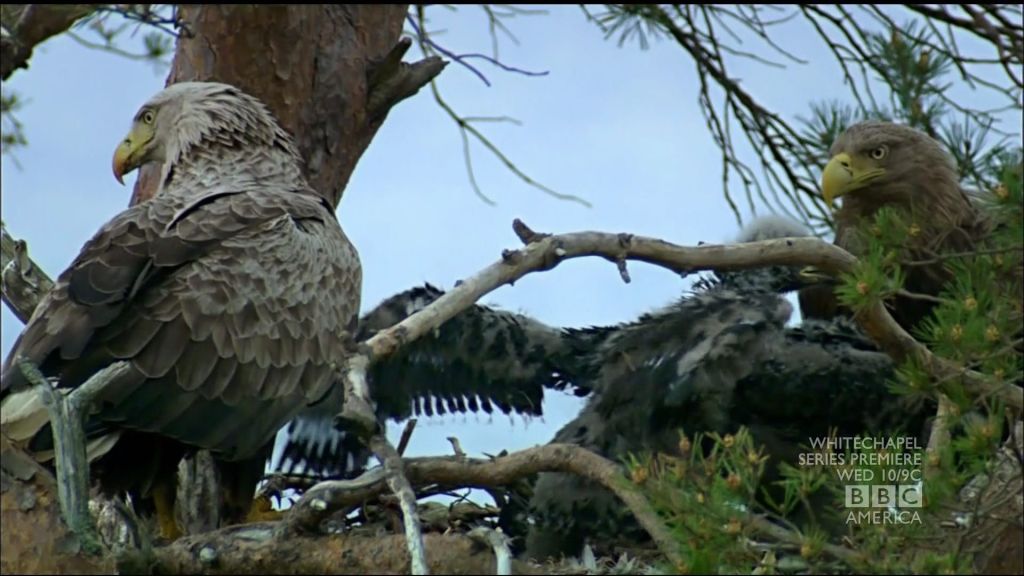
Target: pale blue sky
617,126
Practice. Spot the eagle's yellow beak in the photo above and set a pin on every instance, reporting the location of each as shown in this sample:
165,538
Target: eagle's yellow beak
836,178
122,157
843,175
131,152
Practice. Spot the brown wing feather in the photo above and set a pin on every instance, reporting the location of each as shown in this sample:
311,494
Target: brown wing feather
232,307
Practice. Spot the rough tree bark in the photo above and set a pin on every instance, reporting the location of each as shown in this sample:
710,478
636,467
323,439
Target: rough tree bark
310,63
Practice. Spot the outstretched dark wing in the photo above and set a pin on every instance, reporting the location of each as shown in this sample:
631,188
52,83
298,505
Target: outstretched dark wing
481,360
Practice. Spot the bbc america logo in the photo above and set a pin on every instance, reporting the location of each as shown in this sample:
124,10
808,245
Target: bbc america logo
883,496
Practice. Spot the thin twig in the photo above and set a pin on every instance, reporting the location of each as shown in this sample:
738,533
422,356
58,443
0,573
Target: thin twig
403,442
456,447
466,128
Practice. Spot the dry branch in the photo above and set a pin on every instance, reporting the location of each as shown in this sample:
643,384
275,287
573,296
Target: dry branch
544,252
499,543
31,24
358,405
24,283
401,487
67,418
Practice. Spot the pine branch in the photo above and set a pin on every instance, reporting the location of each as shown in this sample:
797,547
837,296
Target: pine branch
30,24
543,252
24,283
67,417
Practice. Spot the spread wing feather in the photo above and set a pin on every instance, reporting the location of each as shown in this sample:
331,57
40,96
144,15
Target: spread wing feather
481,359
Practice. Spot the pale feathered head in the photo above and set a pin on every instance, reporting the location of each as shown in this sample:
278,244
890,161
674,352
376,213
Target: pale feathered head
188,117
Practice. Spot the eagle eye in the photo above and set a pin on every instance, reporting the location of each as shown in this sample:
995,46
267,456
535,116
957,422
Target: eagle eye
148,117
879,153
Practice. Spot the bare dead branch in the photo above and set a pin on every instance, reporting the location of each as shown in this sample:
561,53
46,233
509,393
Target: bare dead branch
24,283
456,446
499,543
31,24
67,418
358,403
392,80
328,497
400,486
550,250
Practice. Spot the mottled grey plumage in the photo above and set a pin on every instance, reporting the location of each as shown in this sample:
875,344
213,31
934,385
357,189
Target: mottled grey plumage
232,292
480,360
714,361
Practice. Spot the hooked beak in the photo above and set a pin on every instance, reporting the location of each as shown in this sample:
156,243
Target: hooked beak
122,160
133,151
841,177
812,275
836,178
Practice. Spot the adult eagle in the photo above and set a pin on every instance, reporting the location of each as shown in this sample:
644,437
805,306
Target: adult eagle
880,164
232,294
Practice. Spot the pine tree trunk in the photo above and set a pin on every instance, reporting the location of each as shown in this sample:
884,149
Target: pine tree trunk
310,63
